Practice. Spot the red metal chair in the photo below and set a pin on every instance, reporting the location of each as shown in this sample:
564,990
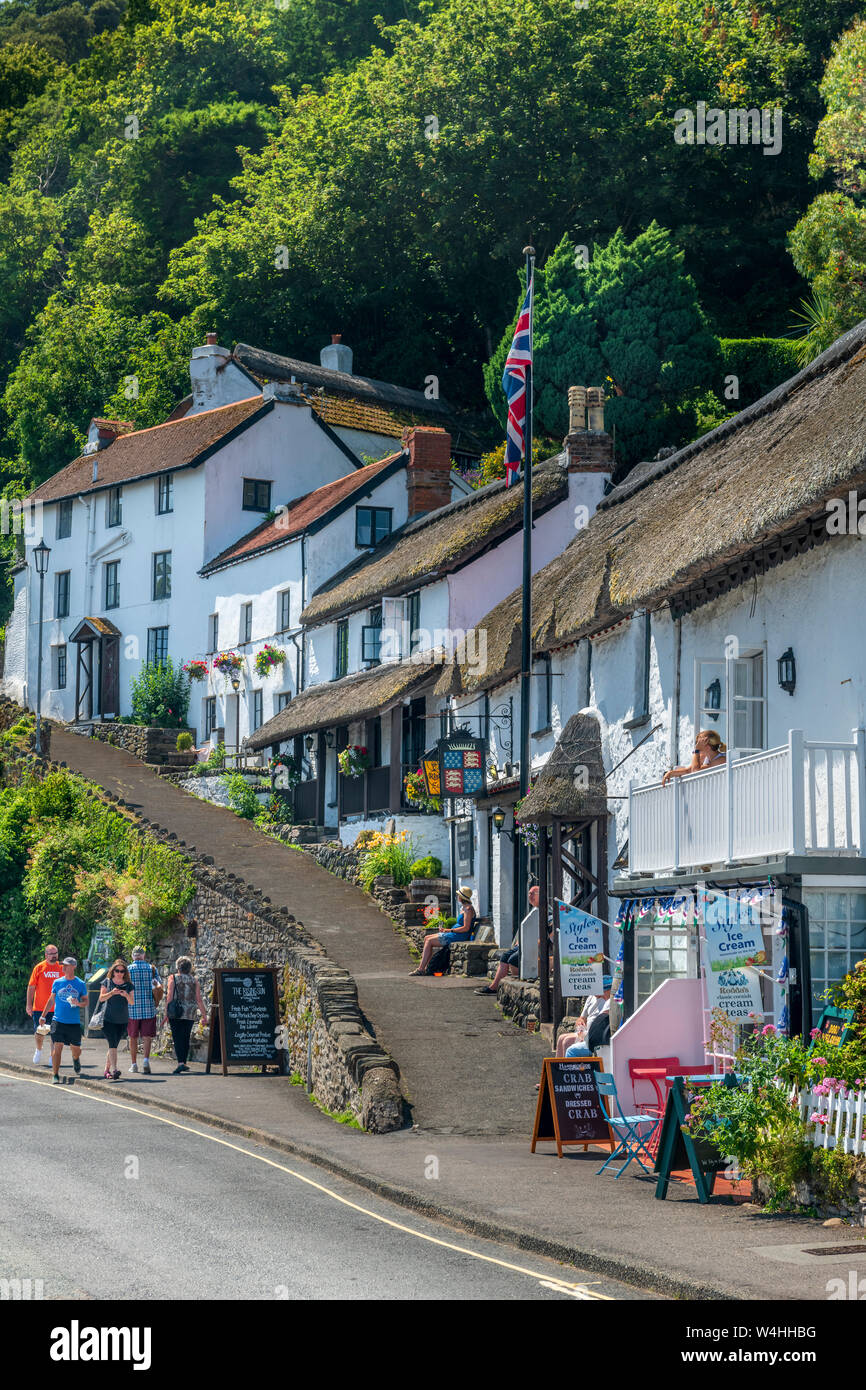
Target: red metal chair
652,1071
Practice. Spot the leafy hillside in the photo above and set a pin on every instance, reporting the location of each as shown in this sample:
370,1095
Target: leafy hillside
279,171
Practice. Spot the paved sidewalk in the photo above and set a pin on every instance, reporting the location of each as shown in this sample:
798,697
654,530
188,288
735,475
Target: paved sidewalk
495,1188
464,1069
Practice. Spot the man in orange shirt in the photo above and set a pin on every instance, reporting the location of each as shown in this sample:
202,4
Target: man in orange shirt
39,994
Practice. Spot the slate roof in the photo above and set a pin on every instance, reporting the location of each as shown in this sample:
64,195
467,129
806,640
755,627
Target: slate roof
163,448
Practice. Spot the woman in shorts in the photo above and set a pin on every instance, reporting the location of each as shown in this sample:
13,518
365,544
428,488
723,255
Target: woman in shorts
116,994
461,931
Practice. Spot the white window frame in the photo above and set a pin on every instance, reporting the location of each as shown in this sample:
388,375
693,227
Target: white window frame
724,724
394,643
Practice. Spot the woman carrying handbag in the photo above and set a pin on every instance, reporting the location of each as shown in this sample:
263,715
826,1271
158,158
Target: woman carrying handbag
182,997
116,996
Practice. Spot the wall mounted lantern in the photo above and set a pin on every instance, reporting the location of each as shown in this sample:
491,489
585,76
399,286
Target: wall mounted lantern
787,671
499,815
713,698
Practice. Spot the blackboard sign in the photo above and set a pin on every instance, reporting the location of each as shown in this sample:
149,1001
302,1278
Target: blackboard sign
834,1029
464,837
570,1109
245,1018
678,1149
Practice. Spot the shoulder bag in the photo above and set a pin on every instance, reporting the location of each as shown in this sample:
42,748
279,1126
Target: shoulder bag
174,1008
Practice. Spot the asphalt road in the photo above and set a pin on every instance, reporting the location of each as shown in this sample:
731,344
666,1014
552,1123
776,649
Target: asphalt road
98,1200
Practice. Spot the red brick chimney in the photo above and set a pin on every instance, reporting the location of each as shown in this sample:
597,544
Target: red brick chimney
428,474
589,447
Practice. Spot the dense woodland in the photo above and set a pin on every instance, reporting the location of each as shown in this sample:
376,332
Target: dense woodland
279,171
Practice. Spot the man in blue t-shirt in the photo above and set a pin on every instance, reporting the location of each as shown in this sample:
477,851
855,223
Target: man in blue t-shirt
68,996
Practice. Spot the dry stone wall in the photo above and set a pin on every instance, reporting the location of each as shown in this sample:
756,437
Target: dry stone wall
149,744
230,922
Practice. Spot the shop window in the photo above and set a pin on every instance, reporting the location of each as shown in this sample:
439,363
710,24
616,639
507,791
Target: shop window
837,937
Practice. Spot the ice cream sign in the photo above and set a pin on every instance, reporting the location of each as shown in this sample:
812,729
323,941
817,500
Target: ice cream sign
732,927
581,952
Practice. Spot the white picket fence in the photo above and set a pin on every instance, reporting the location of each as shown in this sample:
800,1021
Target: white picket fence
844,1126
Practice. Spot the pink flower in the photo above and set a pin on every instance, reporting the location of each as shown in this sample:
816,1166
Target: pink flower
768,1028
820,1061
814,1033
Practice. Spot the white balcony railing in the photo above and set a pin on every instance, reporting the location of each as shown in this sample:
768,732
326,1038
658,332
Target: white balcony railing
802,798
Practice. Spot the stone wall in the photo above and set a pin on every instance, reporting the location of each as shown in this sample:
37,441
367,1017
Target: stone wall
229,922
142,741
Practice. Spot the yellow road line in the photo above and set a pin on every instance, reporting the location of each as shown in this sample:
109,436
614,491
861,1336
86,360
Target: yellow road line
561,1285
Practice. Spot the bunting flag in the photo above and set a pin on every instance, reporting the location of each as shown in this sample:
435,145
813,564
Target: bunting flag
514,386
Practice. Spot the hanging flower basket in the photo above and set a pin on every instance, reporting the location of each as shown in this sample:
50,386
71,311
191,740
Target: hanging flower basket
228,663
528,829
354,761
269,659
283,769
196,670
416,791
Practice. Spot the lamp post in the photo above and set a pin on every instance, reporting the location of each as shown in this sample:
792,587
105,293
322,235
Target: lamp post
41,553
236,686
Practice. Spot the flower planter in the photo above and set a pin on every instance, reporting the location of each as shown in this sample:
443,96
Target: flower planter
421,888
186,758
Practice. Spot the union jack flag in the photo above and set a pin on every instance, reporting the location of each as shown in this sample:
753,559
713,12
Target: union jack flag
514,386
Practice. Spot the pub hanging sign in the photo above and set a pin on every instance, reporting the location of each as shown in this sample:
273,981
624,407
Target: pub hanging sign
461,765
430,773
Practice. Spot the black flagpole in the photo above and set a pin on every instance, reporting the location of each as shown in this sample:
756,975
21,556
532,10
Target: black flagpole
526,604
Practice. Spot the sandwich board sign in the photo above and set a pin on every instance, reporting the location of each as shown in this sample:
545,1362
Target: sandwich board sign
678,1149
244,1018
570,1109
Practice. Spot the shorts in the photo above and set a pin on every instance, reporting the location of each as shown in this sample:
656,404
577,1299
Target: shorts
37,1015
451,938
578,1050
510,957
69,1033
142,1027
113,1032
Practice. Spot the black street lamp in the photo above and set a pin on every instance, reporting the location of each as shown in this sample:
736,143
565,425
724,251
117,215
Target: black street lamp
41,553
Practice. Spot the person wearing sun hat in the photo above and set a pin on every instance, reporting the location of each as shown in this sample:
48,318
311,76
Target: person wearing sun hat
575,1044
461,931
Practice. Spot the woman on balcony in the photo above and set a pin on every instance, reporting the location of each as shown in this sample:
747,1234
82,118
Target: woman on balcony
709,752
461,931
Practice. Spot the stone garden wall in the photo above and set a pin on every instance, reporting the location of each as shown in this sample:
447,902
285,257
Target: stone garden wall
229,922
151,745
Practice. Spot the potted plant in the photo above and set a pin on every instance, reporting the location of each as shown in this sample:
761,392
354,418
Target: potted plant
354,760
269,659
196,670
227,663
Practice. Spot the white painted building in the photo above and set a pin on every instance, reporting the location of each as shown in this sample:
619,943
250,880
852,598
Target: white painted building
718,589
157,548
383,632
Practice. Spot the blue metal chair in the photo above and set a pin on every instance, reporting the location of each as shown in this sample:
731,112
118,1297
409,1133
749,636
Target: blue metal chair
627,1128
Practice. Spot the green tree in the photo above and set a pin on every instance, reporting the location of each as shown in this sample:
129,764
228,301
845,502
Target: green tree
828,243
630,321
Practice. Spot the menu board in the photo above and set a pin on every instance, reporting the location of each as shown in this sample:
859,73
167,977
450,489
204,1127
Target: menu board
570,1109
245,1018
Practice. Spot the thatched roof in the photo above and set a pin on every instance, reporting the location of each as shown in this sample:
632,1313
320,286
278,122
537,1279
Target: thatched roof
333,703
571,784
437,543
673,524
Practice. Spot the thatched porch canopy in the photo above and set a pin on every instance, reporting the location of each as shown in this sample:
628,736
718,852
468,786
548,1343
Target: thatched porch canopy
346,701
571,786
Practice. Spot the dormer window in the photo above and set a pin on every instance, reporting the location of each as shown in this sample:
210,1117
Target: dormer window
257,495
372,525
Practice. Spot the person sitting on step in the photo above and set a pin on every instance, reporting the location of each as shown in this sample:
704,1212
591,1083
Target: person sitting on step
461,931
